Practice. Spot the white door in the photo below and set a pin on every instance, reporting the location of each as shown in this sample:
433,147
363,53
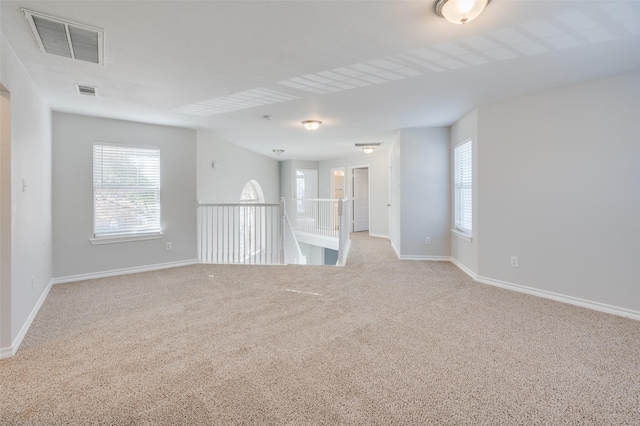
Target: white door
360,200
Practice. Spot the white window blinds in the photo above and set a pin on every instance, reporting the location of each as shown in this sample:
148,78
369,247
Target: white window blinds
463,181
126,190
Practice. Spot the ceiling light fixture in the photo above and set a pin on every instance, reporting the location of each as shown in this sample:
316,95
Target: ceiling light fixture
278,152
460,11
311,124
368,148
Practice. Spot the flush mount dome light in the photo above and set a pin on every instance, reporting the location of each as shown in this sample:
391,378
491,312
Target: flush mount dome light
368,148
311,124
460,11
278,152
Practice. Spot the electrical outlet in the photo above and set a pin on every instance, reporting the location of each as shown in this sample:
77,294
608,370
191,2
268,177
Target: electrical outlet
167,246
33,282
428,240
514,261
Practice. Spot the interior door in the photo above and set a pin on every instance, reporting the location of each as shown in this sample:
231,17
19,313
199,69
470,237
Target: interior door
360,200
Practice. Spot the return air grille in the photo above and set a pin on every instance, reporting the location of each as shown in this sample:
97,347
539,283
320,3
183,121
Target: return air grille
87,90
364,145
63,38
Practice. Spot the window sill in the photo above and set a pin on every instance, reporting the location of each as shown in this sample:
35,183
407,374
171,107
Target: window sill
125,238
462,235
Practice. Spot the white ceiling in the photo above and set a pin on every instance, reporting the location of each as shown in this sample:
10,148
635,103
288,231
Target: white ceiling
364,68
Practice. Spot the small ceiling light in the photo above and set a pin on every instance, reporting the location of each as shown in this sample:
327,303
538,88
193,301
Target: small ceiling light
311,124
368,148
460,11
278,152
267,117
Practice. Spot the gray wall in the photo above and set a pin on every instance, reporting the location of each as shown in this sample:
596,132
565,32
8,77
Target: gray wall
423,191
465,253
235,166
559,187
378,163
73,138
395,196
286,182
31,224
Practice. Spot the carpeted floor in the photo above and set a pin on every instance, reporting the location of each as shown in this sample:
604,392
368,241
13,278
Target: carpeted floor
380,341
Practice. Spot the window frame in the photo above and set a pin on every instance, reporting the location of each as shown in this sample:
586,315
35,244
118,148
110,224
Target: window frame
463,182
117,237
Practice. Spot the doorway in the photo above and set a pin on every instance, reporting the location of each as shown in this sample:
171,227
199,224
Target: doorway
337,183
337,193
360,193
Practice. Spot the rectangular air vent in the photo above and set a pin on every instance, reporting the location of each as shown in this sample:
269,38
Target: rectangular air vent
364,145
56,36
87,90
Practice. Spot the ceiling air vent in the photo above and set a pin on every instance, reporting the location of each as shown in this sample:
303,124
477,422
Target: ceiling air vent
87,90
63,38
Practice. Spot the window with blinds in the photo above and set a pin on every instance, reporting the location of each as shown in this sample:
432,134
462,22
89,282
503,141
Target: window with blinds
126,191
463,182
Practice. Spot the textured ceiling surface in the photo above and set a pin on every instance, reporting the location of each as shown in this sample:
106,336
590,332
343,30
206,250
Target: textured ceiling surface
364,68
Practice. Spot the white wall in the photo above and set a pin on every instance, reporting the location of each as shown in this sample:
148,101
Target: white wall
31,224
235,166
73,138
463,252
378,163
313,254
424,193
559,187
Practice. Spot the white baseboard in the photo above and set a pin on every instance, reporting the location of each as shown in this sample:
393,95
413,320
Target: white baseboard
124,271
11,351
464,269
395,249
589,304
597,306
422,257
371,234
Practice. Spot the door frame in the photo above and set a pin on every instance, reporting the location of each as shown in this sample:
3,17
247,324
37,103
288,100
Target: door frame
332,188
349,187
5,222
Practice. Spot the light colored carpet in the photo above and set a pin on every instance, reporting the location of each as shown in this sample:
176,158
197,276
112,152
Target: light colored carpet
381,341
